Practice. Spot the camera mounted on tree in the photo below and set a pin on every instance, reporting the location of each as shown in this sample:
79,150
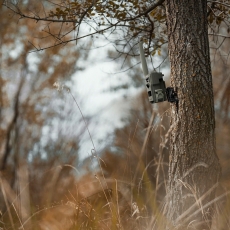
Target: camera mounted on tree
156,89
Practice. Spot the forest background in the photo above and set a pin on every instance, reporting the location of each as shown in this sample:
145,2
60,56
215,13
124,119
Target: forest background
44,123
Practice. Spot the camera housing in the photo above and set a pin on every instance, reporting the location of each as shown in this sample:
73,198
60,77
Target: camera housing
156,87
155,84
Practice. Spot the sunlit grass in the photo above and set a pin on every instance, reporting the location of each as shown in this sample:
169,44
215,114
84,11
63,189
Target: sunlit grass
125,198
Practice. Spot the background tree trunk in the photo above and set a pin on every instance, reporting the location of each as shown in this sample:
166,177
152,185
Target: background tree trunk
194,166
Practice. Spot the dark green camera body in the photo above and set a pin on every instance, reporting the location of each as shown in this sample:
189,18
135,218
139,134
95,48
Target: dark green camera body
155,84
156,87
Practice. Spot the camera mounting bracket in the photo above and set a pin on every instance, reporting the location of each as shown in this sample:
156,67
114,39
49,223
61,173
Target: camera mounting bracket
171,95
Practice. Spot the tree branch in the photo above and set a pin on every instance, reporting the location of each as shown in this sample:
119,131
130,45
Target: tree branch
151,8
74,39
10,127
38,18
220,35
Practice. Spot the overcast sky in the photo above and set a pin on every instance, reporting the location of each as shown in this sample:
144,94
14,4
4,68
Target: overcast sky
106,108
95,98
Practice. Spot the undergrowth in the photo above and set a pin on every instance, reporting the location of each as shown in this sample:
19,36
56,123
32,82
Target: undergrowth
118,194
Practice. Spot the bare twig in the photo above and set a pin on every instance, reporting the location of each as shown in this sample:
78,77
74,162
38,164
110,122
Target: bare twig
220,35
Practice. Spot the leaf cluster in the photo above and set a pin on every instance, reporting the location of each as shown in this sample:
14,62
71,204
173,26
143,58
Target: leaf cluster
121,22
218,12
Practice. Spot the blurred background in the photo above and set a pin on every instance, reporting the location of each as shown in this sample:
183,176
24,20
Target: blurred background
81,146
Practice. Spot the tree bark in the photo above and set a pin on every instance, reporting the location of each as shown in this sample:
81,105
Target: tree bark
194,167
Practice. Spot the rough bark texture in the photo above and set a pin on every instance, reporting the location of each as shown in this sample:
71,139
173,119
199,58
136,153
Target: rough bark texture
194,166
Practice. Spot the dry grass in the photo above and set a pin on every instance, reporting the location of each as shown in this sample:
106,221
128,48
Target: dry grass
121,193
96,202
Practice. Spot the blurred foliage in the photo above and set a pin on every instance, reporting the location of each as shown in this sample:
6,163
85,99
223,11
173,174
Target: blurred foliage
220,49
122,23
39,144
140,149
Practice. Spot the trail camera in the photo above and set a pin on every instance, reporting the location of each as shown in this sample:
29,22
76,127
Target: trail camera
155,84
155,87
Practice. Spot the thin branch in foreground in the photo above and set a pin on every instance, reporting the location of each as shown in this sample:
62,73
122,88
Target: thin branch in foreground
220,35
70,40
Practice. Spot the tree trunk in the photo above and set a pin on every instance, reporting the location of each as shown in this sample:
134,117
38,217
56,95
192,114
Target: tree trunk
194,166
